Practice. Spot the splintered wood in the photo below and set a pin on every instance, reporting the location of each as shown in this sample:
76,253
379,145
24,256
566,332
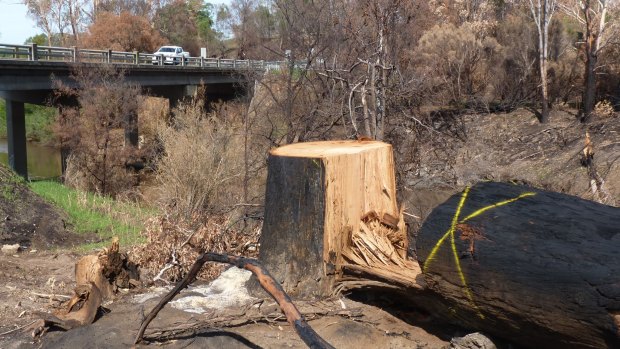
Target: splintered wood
379,249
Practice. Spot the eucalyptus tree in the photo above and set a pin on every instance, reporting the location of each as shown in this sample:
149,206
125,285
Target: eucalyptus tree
55,16
600,30
542,12
41,12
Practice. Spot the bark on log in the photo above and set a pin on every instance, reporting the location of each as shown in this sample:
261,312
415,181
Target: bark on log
541,269
316,193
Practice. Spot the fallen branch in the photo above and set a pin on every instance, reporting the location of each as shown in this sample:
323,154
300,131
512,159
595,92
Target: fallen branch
221,323
172,264
293,316
54,297
17,328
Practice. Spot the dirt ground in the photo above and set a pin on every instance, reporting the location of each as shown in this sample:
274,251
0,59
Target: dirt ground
503,147
40,277
38,281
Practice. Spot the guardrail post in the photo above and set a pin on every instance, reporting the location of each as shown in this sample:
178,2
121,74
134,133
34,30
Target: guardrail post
182,61
218,62
234,63
74,54
109,58
136,58
33,52
202,61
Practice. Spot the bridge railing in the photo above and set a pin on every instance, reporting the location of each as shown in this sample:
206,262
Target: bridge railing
34,52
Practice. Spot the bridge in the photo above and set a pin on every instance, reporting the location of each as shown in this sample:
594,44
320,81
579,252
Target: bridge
26,71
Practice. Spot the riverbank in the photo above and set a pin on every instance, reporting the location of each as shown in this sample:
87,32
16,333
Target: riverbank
48,215
515,147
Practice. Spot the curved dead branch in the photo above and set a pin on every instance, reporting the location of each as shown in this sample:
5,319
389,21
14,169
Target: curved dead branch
293,316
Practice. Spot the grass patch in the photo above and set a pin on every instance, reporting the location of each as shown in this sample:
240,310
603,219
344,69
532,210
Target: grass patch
91,213
9,184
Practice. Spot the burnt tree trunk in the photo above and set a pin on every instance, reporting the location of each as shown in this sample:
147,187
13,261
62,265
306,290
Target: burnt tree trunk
316,195
541,269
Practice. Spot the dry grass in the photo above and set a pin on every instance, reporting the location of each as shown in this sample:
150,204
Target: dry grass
604,109
202,166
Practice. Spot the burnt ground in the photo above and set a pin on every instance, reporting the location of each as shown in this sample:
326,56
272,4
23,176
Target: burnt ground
514,147
502,147
28,220
36,282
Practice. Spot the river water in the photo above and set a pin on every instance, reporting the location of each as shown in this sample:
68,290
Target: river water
43,161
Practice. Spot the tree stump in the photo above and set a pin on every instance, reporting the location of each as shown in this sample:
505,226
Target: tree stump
108,270
538,268
322,196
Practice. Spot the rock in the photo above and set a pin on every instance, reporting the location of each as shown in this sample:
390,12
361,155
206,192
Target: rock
10,249
472,341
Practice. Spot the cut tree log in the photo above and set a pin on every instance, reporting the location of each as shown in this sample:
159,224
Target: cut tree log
538,268
318,197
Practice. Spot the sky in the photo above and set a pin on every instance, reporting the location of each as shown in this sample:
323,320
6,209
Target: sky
16,26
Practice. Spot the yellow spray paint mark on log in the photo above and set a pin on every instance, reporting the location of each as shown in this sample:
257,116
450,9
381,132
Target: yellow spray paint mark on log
450,233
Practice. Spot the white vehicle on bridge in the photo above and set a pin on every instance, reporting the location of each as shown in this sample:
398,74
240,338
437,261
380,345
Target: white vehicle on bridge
169,55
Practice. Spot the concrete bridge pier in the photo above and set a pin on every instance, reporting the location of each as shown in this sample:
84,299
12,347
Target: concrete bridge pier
16,137
131,129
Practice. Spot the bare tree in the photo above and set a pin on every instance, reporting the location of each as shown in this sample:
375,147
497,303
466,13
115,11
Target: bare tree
542,12
75,15
240,17
41,12
54,16
378,35
57,13
598,33
94,130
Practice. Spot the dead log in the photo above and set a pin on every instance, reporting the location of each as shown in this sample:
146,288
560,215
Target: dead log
318,196
79,311
269,284
97,277
541,269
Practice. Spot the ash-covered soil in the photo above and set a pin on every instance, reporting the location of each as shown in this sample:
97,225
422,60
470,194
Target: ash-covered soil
515,147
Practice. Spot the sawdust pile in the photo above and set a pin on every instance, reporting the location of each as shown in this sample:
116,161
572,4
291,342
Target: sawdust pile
172,247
